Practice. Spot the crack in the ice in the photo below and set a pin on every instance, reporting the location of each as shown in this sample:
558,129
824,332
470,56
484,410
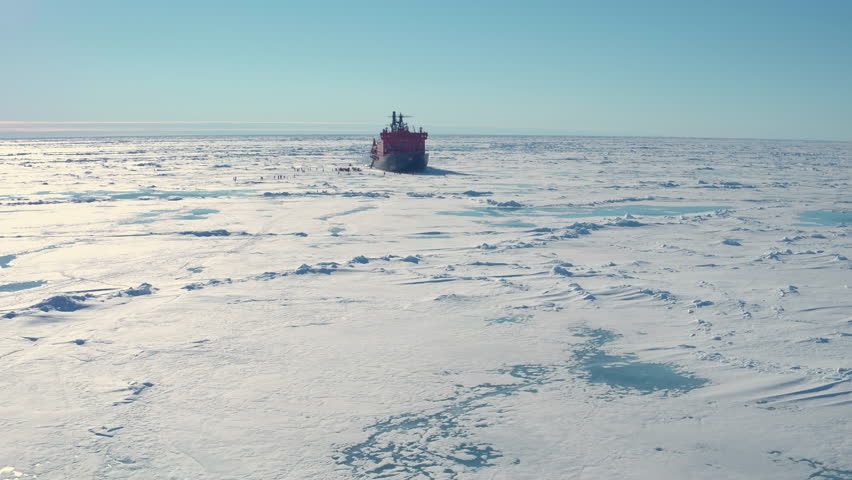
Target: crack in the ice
435,444
822,471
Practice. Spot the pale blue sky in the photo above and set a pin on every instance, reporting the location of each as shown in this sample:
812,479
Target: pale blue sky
761,69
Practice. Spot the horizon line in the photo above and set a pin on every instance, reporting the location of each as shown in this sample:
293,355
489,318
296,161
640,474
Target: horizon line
356,134
18,129
220,122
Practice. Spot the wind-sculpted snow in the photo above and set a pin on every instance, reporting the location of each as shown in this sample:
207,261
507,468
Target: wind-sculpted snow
242,307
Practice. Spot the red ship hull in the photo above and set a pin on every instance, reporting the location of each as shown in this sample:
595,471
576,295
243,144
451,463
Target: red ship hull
400,150
401,162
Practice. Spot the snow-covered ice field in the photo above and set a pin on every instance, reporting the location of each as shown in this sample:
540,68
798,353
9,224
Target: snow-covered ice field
530,308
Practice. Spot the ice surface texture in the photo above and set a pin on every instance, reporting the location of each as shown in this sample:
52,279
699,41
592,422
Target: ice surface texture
232,307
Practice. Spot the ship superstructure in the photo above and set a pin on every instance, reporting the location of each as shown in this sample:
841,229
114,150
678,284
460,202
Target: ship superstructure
400,149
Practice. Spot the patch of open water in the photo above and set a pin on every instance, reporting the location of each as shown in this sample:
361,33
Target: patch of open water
513,224
198,214
17,287
157,215
625,372
5,260
826,218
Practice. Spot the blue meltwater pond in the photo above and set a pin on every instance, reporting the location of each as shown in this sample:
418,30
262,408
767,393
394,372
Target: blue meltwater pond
625,372
16,287
826,218
5,260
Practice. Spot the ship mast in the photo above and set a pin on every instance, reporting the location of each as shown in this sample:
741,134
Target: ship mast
397,123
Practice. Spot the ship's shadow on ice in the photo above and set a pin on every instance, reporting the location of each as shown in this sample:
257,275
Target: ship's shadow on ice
427,171
440,171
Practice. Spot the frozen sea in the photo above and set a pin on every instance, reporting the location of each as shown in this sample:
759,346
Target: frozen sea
529,308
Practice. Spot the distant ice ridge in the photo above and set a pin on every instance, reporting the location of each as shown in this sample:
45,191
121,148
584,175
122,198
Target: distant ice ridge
142,289
62,303
72,303
507,204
